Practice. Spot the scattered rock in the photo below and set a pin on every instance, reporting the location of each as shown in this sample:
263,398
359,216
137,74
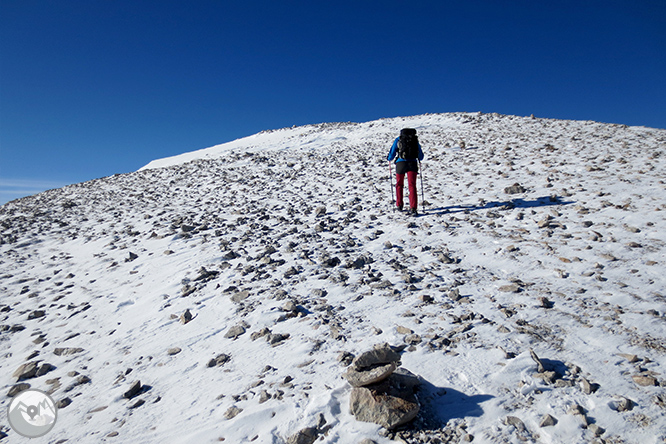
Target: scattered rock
44,369
307,435
138,403
232,412
235,331
61,404
134,390
67,351
264,396
173,351
36,314
240,296
547,421
588,387
260,334
346,358
277,338
545,303
186,317
540,367
623,404
219,360
645,380
17,388
510,288
404,330
26,371
516,422
596,430
516,188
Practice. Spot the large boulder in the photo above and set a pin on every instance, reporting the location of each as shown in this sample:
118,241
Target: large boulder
390,403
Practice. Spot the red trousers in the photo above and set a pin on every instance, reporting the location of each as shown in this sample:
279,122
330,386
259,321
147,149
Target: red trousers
400,186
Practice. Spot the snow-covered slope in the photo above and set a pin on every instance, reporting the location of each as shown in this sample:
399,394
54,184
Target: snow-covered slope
286,252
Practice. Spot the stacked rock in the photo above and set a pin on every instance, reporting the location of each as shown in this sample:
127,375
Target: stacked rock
383,393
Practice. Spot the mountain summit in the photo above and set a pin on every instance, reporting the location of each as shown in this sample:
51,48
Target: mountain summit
222,294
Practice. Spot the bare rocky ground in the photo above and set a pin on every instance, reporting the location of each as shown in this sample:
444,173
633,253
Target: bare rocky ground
222,295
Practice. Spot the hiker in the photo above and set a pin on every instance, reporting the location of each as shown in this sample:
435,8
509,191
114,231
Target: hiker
406,149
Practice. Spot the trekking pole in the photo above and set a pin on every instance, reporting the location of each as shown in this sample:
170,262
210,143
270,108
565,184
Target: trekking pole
391,183
422,194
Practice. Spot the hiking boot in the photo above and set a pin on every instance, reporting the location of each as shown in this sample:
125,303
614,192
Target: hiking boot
400,208
413,212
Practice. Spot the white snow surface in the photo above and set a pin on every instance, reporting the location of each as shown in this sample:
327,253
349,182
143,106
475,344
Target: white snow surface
114,262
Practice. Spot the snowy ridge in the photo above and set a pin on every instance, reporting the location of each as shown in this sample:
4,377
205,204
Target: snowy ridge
284,250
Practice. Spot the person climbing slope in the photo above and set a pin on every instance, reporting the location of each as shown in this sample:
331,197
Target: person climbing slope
406,149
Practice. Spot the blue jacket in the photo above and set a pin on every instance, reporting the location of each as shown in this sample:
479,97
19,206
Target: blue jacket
394,152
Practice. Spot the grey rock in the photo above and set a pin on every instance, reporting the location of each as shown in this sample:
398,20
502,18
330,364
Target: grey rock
134,390
290,306
360,378
454,294
61,404
624,404
548,376
276,339
576,409
510,288
240,296
307,435
535,358
345,358
405,380
380,355
586,386
36,314
264,396
26,371
645,380
387,404
413,339
260,334
516,422
219,360
596,430
173,351
44,369
404,330
234,332
67,351
547,421
17,388
516,188
291,271
232,412
186,317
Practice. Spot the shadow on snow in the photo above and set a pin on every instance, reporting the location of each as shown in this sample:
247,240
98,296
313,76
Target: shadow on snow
501,205
440,405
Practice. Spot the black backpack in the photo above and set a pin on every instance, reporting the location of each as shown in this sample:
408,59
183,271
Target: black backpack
408,145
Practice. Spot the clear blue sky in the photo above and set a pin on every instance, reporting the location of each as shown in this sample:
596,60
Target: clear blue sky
91,88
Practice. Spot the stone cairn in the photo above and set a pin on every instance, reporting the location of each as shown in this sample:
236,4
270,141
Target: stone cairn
383,393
